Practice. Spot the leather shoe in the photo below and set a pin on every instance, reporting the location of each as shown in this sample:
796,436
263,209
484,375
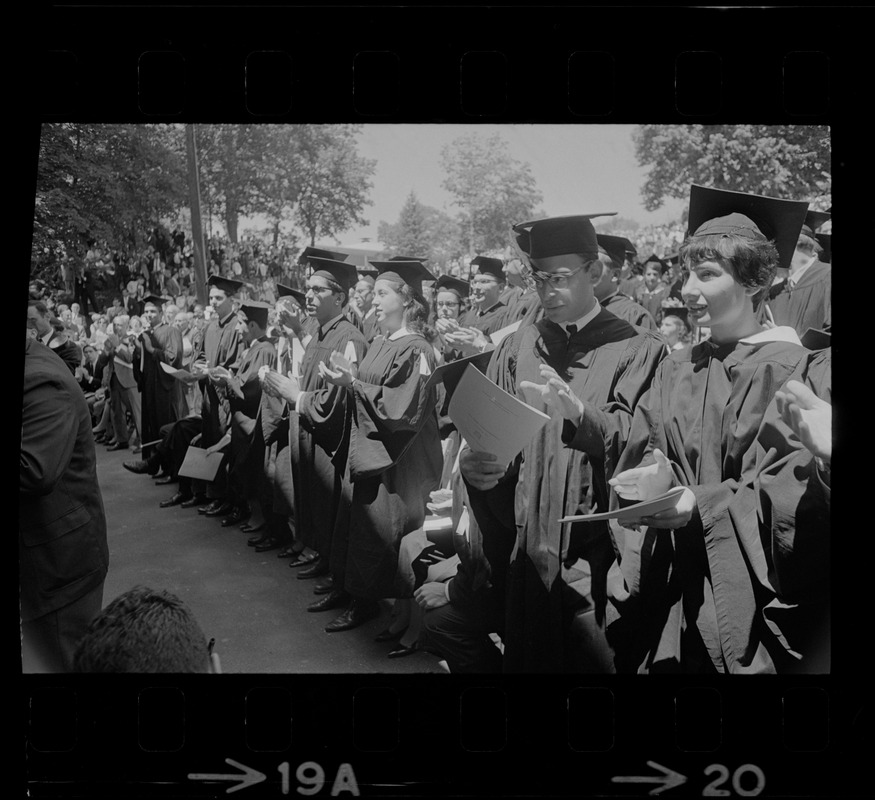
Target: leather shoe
403,650
197,500
247,528
324,586
316,570
236,516
336,598
118,446
99,438
302,560
358,613
224,507
137,467
138,449
389,636
176,500
253,541
287,552
109,442
164,480
270,544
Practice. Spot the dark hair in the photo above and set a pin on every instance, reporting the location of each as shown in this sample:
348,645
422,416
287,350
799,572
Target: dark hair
143,630
808,245
608,263
40,306
416,313
752,262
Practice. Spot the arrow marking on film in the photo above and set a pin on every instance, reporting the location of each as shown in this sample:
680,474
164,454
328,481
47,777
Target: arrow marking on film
669,779
249,777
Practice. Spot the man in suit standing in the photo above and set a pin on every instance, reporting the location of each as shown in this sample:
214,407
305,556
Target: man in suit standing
124,393
39,320
62,548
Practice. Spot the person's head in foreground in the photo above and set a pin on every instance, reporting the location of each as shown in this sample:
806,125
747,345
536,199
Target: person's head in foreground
145,630
736,245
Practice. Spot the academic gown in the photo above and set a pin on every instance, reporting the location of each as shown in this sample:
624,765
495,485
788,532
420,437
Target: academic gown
806,305
394,460
160,396
557,571
221,346
714,596
319,456
626,308
499,316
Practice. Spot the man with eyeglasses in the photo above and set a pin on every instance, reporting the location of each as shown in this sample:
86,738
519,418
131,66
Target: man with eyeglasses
586,369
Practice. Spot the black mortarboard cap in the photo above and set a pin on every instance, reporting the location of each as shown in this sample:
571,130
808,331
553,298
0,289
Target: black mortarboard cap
308,252
614,246
413,273
156,300
287,291
227,285
256,311
673,258
451,373
368,272
722,212
489,266
813,220
342,273
462,288
814,339
556,236
653,258
825,240
407,258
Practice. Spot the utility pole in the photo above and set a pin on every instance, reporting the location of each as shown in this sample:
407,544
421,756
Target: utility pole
197,231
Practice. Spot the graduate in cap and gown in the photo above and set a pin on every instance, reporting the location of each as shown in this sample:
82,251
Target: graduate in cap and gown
803,299
557,574
733,578
493,307
318,452
160,343
612,253
243,390
653,291
220,346
394,460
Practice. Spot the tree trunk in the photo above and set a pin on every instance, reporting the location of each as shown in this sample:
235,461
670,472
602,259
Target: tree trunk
231,220
276,232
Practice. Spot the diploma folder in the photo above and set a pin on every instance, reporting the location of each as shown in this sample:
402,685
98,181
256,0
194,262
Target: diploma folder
646,508
490,419
200,464
451,373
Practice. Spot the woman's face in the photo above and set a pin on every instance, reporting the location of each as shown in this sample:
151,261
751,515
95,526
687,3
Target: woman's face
671,330
713,296
448,305
389,307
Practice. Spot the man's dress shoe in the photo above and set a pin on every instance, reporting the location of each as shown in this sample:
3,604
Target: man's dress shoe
270,544
197,500
220,510
358,613
117,446
236,516
164,480
336,598
403,650
137,467
324,586
316,570
178,499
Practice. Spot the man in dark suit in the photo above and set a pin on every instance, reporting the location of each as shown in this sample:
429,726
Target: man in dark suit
39,319
62,548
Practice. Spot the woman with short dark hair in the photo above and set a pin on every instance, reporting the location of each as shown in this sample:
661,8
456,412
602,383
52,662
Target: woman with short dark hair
711,585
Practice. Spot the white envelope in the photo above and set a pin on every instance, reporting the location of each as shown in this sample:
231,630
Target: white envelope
645,508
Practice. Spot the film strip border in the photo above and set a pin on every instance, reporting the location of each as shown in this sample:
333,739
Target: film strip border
447,737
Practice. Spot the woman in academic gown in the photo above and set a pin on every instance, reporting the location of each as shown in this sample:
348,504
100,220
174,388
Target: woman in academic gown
720,583
394,460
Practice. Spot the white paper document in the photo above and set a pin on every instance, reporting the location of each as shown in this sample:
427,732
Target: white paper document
506,331
200,464
646,508
180,374
490,419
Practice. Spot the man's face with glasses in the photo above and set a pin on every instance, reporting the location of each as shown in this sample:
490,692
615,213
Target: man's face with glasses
485,290
564,286
448,305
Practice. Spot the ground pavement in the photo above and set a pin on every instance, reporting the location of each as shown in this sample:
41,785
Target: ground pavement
252,603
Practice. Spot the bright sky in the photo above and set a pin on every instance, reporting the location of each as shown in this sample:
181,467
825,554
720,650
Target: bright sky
579,169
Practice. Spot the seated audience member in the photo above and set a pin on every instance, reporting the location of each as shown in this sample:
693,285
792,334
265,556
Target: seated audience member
146,631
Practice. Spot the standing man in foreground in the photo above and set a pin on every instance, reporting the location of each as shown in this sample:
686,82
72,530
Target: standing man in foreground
62,550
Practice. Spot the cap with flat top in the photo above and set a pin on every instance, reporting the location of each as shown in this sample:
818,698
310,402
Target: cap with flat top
255,311
228,285
367,272
407,258
489,266
825,241
156,300
557,236
287,291
309,252
451,284
615,247
341,272
813,220
413,273
720,212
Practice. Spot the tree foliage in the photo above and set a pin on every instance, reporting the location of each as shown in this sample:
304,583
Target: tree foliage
422,231
103,182
788,161
491,189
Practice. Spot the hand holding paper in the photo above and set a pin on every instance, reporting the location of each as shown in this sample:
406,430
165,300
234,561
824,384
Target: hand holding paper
645,483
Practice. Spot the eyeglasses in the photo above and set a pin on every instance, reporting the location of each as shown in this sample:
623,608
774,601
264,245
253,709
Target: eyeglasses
448,304
556,280
483,282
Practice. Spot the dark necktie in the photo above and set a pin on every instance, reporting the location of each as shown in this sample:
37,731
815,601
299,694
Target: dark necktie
571,330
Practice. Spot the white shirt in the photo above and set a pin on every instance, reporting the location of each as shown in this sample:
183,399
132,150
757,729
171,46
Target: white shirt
795,277
583,321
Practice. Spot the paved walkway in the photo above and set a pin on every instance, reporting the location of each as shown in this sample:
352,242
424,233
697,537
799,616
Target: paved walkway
252,603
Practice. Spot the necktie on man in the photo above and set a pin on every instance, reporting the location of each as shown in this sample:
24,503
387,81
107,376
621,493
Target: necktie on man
571,330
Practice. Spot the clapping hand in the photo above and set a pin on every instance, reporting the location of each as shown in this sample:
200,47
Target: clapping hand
277,385
340,373
809,417
556,394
